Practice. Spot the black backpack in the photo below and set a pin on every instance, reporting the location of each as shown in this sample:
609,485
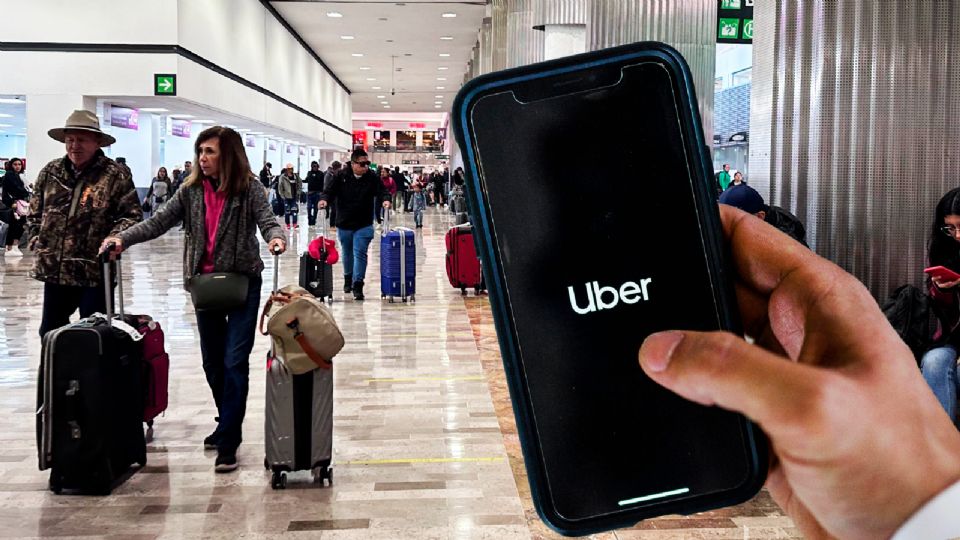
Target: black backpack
910,312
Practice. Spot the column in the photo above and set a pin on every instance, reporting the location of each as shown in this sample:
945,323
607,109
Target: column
564,23
498,34
44,112
524,44
854,126
687,25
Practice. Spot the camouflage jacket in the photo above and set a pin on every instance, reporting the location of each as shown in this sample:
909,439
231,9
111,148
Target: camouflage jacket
70,217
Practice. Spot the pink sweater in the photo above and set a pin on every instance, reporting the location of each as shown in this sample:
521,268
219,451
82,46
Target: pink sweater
214,201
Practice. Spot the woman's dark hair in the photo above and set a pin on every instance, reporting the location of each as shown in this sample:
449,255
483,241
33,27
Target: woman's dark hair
235,173
9,164
314,163
945,251
164,169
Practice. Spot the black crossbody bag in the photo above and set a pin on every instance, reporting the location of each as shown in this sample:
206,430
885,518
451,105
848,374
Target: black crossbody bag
220,291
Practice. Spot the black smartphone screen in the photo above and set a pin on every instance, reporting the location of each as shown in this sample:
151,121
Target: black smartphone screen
591,206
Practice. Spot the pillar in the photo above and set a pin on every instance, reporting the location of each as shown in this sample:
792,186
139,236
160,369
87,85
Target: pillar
524,44
564,24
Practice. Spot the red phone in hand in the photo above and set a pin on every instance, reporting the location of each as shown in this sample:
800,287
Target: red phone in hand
942,273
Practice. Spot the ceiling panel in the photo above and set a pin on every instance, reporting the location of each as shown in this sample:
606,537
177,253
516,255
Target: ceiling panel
400,43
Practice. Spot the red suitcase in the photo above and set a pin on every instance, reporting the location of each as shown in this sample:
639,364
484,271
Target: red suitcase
156,367
463,266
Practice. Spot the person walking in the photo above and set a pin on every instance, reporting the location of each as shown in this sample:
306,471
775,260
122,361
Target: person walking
15,197
79,200
419,204
222,206
314,190
328,177
289,187
357,190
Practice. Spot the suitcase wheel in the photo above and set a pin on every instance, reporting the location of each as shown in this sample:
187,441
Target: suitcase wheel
266,464
476,291
323,473
463,291
55,486
279,480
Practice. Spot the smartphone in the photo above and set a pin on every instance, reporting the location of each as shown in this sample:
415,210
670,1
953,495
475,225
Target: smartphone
594,210
942,273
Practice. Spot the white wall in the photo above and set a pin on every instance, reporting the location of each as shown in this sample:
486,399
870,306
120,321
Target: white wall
90,21
255,153
139,146
179,149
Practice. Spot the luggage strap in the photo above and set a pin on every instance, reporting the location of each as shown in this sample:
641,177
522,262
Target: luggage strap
120,324
294,325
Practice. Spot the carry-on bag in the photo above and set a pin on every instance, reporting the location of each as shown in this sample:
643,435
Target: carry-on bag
156,371
316,274
398,262
463,265
90,400
299,418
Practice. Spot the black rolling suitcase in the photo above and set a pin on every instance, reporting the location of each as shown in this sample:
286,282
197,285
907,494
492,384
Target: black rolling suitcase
90,402
316,275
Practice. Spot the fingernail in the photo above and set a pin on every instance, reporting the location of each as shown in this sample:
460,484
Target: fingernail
657,350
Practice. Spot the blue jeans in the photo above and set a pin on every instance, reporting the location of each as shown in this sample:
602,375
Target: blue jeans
418,217
355,263
291,209
939,367
226,339
313,198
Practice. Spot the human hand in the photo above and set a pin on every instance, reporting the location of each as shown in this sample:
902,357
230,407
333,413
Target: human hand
277,245
944,283
386,204
113,244
322,204
858,441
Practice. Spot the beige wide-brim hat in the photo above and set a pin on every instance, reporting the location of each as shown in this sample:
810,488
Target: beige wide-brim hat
80,120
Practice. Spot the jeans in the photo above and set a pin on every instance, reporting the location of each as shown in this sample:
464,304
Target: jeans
15,232
939,367
60,301
418,217
355,264
313,198
226,339
291,211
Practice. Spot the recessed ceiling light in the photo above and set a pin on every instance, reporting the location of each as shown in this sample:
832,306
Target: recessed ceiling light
153,109
440,97
381,97
437,107
6,125
181,116
376,88
371,79
364,68
441,78
438,103
206,122
357,55
442,68
386,106
13,101
6,115
441,88
449,15
444,55
334,14
446,38
346,37
384,102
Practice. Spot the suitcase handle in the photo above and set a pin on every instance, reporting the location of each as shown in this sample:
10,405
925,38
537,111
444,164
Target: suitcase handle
276,269
386,222
107,281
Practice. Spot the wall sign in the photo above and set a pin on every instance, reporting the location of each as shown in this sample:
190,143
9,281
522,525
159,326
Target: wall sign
122,117
735,21
180,128
164,84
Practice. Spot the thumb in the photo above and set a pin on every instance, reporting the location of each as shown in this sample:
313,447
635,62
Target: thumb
718,368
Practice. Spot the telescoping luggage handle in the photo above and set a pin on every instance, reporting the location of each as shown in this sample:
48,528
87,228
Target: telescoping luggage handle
107,279
276,269
324,231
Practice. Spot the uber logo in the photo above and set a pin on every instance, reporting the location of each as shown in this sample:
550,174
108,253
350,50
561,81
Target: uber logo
600,298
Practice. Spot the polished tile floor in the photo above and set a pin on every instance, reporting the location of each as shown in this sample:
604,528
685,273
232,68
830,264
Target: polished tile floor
425,445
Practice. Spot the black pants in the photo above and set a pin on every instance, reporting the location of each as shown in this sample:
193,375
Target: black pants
14,232
60,301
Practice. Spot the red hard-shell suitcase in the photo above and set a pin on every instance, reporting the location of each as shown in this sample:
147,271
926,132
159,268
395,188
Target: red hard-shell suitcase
463,266
156,370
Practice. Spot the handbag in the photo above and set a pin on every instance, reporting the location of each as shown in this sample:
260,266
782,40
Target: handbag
219,291
22,208
304,333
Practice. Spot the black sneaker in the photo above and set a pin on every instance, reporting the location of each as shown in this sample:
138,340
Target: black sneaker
211,441
226,462
347,283
358,290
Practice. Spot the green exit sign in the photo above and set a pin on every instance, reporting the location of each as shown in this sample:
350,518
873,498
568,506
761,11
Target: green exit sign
164,84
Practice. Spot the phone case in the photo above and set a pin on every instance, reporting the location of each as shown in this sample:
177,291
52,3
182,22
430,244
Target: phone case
709,215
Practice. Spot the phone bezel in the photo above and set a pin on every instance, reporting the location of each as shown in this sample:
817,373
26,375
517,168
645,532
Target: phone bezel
708,214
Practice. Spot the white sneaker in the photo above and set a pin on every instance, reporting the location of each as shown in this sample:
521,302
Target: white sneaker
15,252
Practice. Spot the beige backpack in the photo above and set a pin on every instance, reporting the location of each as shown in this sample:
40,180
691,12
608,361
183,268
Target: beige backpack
305,335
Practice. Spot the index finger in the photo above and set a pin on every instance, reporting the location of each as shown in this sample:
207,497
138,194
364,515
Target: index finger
806,294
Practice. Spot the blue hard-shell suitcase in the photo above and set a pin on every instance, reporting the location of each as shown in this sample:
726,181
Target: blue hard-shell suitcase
398,257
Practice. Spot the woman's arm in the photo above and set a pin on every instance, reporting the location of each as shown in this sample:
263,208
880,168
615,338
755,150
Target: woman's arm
263,214
162,221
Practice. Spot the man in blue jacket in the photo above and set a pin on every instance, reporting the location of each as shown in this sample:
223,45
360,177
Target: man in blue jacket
357,191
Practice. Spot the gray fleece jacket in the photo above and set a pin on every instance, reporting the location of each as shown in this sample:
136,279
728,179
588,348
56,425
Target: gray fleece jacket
236,248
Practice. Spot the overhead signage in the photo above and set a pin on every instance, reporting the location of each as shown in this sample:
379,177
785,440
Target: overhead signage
735,21
180,128
374,124
289,148
406,141
164,84
442,157
272,145
122,117
381,139
441,134
360,139
250,141
418,125
303,151
411,162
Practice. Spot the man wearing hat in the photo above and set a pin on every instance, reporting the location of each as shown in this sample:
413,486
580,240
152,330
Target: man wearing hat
747,199
79,200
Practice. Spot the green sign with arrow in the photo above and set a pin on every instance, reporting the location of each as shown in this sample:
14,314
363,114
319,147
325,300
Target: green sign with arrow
164,84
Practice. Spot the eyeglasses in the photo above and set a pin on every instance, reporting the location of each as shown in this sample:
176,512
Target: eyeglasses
950,230
363,163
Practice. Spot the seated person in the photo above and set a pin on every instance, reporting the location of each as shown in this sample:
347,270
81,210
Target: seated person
747,199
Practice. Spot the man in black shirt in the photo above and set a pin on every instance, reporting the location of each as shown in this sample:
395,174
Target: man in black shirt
358,192
314,189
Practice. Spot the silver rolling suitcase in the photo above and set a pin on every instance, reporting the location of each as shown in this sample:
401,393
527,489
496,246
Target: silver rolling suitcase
299,419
